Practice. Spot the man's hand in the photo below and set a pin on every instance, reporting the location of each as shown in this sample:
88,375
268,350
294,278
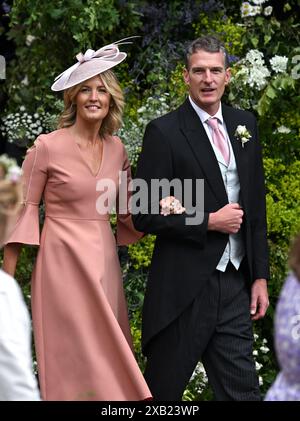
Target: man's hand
227,219
259,299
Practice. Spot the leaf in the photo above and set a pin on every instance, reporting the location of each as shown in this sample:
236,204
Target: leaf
56,13
270,92
260,21
254,41
267,38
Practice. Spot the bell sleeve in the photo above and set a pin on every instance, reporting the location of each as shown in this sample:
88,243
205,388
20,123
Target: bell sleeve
27,230
126,233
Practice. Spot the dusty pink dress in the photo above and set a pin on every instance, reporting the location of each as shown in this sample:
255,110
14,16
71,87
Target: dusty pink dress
80,319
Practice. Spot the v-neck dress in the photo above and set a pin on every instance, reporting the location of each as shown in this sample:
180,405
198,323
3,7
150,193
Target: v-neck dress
80,319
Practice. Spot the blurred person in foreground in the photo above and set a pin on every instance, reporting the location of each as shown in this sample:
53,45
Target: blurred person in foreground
287,334
17,381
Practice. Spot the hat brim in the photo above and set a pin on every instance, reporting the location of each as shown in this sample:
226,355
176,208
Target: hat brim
87,70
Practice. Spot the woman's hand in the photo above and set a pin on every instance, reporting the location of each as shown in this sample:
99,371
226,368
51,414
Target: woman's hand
171,206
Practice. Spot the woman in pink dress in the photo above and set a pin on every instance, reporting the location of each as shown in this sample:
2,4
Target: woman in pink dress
80,320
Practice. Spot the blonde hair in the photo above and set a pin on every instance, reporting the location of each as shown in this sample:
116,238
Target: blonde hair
113,121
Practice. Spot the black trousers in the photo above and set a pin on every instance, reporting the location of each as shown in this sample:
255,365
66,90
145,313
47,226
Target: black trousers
217,329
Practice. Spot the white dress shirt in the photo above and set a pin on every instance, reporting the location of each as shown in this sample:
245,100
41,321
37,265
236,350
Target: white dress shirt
17,381
234,250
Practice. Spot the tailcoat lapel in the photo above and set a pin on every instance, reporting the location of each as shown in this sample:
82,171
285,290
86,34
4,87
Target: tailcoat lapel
198,140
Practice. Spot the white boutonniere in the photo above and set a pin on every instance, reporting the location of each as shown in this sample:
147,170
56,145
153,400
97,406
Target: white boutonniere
242,134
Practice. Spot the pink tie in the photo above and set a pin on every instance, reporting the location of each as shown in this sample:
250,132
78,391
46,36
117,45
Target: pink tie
219,139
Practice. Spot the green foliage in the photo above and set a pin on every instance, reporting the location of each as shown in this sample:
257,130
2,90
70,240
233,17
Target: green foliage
283,199
270,34
135,323
135,281
283,210
264,360
280,137
198,388
177,86
225,28
133,129
141,252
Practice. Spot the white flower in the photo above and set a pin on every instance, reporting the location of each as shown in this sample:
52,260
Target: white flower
257,77
283,129
253,71
245,9
258,366
260,380
22,128
255,57
279,63
29,40
242,134
268,10
255,10
248,10
255,352
25,81
264,349
259,2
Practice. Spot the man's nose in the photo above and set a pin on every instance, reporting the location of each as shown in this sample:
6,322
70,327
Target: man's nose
207,76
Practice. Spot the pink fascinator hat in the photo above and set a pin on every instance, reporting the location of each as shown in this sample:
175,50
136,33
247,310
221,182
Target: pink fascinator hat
90,64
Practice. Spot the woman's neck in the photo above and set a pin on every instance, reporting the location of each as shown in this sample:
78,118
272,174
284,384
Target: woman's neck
86,133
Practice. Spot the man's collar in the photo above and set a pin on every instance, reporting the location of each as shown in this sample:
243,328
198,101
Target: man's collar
203,115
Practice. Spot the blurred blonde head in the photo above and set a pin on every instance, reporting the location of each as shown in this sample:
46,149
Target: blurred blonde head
113,121
10,199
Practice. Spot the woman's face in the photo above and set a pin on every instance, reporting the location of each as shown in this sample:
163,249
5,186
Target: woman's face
92,101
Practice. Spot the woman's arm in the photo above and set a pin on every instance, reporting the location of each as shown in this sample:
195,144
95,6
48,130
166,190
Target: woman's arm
10,259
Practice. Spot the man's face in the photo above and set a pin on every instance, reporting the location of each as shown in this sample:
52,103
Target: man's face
207,78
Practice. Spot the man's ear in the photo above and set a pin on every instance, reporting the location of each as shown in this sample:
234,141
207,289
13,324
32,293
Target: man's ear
186,76
227,75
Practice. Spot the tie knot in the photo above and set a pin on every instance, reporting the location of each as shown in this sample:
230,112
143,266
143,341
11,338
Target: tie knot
213,123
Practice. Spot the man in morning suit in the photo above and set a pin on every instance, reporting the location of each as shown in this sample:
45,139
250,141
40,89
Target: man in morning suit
207,282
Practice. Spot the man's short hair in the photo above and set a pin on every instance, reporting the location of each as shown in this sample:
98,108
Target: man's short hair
208,43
